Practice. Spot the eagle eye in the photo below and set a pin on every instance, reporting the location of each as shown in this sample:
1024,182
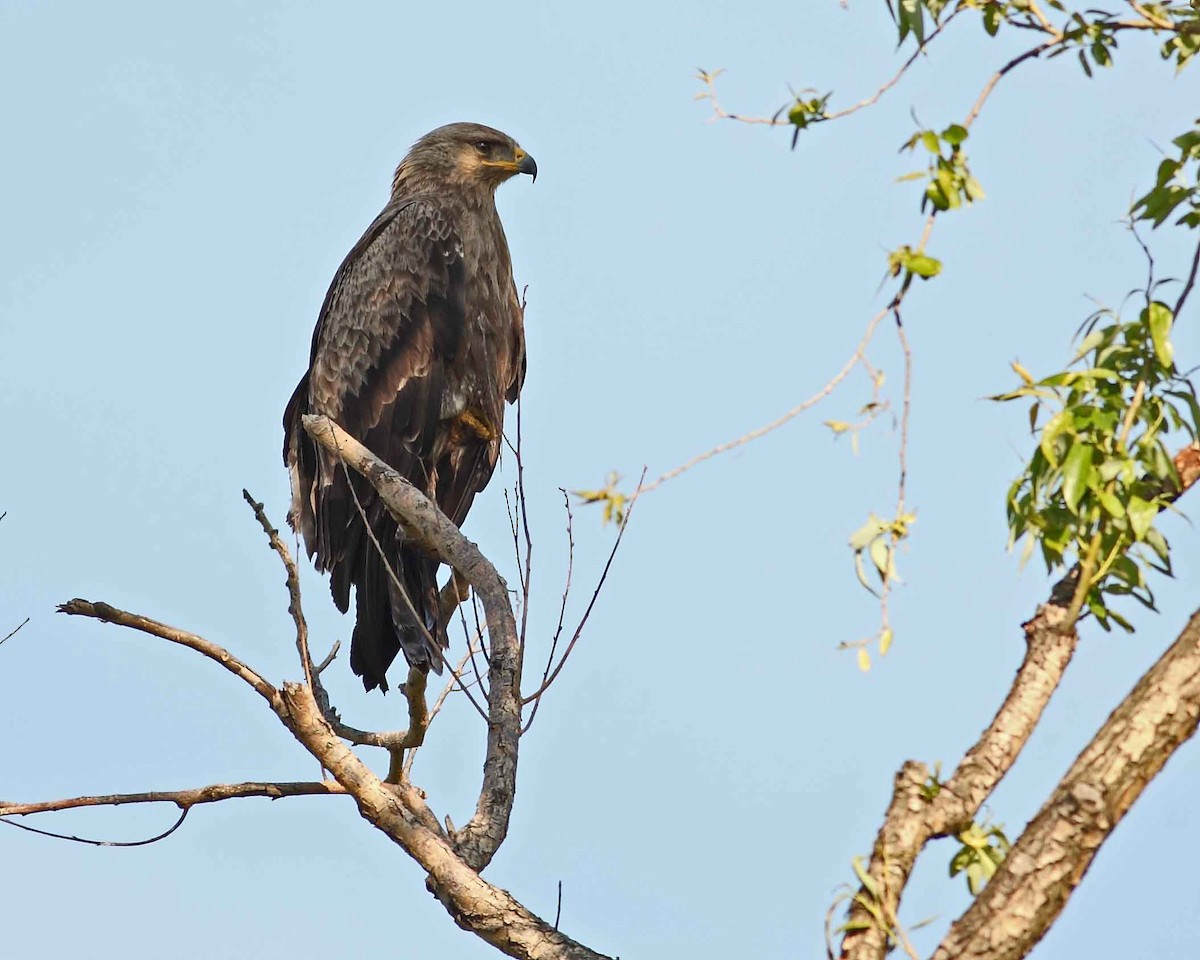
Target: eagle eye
483,146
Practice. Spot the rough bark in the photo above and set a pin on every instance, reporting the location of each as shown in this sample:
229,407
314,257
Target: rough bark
1023,899
913,818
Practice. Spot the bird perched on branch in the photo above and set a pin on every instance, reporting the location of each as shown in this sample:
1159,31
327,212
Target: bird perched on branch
418,344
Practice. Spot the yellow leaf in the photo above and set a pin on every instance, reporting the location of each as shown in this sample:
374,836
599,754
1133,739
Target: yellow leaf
1024,374
864,659
885,641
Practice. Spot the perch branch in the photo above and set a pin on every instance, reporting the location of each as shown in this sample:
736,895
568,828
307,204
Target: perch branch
479,839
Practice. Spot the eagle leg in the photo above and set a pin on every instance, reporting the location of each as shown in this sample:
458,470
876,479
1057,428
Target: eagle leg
418,722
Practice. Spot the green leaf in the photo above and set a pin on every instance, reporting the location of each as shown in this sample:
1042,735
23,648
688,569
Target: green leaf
1159,318
924,266
954,134
1111,504
991,19
1141,516
1077,472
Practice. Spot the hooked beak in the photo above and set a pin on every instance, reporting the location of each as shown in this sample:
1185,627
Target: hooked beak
525,163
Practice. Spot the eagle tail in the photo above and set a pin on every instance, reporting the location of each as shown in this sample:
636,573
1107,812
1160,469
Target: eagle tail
394,617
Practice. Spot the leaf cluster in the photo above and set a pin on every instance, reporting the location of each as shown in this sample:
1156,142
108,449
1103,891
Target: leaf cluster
1176,185
1101,472
983,849
613,501
949,184
876,541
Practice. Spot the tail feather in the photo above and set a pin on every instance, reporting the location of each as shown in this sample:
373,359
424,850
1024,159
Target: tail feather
385,622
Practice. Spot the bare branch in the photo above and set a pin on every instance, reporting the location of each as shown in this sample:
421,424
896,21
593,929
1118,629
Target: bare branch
1189,283
329,657
855,358
218,654
13,632
293,585
562,607
183,799
102,843
399,811
708,78
479,839
591,603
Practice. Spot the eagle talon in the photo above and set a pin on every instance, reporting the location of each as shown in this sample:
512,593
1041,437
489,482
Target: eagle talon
477,425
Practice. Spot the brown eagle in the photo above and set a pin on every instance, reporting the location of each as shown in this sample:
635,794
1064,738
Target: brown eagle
418,344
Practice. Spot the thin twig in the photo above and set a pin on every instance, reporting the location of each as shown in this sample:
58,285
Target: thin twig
184,799
293,585
102,843
1191,282
855,359
562,609
996,77
902,458
214,652
11,633
329,657
524,513
591,603
708,78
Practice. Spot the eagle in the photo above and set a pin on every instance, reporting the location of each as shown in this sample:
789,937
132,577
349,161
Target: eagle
419,343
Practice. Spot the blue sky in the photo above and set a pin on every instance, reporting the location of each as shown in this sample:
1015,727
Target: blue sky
178,187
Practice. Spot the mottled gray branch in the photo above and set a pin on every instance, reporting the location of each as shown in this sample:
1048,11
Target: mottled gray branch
479,839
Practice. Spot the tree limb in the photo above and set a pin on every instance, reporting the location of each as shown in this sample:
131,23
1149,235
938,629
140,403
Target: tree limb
921,810
214,652
479,839
475,905
184,799
1032,886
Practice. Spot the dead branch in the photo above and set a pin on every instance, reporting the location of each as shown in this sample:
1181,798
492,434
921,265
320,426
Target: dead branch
447,689
218,654
13,632
475,905
399,810
183,799
855,359
479,839
545,685
1032,886
293,585
91,842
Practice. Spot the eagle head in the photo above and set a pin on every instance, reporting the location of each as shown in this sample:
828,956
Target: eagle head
466,154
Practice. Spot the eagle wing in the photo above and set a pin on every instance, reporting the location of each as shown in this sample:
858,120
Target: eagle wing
385,345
